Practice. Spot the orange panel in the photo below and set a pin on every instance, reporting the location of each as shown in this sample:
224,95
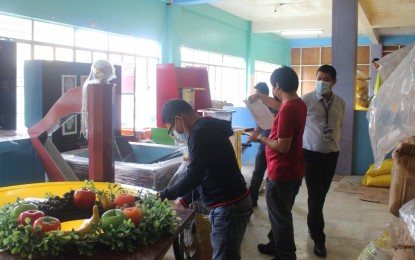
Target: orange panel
309,72
310,56
363,55
364,68
326,55
297,70
295,56
307,87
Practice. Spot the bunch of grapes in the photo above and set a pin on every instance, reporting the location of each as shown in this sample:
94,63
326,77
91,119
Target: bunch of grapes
56,206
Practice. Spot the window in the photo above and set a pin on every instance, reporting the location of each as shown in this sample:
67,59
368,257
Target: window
91,39
53,33
227,74
64,54
43,52
50,41
263,71
15,28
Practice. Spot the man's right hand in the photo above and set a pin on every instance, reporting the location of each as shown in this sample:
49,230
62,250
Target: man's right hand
253,97
253,136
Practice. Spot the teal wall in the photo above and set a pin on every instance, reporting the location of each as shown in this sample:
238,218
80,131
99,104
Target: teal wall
203,27
142,18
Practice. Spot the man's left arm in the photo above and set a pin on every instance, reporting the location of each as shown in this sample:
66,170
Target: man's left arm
194,173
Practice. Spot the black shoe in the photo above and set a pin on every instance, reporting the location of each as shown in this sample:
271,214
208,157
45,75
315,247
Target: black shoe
267,249
254,204
320,249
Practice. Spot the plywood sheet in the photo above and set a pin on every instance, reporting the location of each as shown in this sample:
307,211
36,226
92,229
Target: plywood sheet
295,56
326,55
310,56
363,55
309,72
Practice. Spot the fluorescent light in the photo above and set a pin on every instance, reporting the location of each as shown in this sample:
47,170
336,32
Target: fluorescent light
301,32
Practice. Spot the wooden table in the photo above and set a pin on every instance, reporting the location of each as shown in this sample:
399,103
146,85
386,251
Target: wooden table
156,251
37,190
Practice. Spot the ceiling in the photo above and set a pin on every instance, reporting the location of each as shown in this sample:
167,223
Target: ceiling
375,17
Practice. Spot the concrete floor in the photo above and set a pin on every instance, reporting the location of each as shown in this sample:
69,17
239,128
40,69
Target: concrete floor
350,224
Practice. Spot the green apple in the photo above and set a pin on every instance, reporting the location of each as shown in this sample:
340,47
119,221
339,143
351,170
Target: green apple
21,208
114,217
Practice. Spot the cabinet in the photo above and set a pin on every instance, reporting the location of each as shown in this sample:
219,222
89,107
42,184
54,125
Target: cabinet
7,85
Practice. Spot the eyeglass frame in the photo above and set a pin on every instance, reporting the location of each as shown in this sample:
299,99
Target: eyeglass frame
170,132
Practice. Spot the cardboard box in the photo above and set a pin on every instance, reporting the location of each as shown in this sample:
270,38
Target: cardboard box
403,175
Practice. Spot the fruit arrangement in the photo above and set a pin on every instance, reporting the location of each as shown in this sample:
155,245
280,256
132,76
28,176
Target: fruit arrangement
116,219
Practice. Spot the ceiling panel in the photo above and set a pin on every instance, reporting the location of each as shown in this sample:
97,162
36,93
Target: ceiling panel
376,17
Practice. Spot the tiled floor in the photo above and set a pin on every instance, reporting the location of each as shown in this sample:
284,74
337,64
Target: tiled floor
350,224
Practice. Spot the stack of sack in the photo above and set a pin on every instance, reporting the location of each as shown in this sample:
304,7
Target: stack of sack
380,177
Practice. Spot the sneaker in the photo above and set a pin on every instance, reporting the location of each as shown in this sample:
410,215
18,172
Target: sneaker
267,249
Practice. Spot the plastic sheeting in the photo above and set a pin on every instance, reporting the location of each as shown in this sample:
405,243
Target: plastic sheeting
154,175
391,112
407,214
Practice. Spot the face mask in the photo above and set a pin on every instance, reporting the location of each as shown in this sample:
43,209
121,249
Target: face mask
322,87
181,137
276,98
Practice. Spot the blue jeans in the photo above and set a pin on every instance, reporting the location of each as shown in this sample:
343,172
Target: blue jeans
280,197
228,228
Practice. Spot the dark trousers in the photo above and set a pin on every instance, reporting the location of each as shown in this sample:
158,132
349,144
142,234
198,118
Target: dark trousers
258,173
280,197
319,172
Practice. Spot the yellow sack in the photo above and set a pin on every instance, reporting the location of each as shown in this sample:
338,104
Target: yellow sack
383,181
385,168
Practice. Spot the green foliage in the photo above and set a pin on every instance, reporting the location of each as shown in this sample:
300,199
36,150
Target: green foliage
160,220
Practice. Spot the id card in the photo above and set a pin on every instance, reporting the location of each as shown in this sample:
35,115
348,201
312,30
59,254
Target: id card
328,134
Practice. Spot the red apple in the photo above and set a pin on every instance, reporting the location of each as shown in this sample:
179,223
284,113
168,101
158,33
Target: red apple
32,214
84,199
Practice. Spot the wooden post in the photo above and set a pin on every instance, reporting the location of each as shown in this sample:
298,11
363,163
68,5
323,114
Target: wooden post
101,103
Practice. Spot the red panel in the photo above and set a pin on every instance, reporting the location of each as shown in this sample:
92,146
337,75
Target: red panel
171,79
195,78
166,88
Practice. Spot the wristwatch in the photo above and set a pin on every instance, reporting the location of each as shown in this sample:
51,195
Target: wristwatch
259,138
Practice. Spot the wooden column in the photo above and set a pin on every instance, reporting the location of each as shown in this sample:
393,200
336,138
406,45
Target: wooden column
101,103
344,46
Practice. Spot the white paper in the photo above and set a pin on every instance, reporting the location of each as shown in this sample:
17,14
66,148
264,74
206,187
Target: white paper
262,116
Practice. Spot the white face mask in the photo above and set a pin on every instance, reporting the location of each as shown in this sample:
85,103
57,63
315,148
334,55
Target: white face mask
322,87
181,137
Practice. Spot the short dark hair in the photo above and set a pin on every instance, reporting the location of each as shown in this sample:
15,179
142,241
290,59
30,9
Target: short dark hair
328,69
172,108
286,78
262,87
375,60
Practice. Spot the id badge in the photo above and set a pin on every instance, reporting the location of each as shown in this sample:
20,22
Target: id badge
328,134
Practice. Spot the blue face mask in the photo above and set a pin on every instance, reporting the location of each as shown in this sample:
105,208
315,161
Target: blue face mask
181,137
322,87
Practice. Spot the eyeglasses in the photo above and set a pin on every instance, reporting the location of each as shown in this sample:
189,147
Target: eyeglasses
170,132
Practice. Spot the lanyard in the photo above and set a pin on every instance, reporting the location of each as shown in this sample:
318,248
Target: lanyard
326,108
